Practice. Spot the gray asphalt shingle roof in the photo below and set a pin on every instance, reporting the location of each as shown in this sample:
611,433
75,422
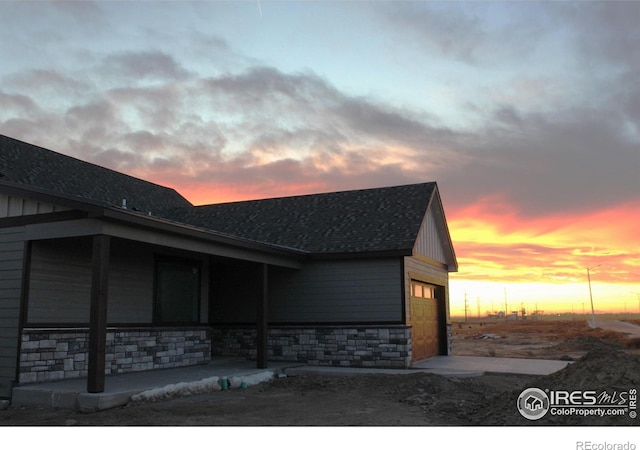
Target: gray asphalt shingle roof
382,219
35,166
367,220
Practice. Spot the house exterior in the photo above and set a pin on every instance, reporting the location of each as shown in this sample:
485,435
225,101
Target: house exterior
103,273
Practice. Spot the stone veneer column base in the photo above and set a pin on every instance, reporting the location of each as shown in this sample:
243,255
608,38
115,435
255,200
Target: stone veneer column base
383,346
60,353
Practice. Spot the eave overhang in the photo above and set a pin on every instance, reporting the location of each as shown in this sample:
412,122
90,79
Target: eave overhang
101,218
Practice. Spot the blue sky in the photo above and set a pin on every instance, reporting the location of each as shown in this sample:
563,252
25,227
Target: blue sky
523,112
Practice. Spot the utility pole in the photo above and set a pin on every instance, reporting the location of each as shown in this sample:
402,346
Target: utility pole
506,309
466,306
593,312
638,294
478,301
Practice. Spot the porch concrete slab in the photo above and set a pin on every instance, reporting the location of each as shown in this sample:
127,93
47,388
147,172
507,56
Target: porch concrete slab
72,394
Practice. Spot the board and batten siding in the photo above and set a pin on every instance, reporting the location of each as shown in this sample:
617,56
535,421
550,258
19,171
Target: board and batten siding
348,291
12,206
429,240
11,268
427,272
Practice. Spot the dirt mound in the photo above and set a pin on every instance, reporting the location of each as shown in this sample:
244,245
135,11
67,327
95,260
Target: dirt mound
446,401
442,400
588,343
601,369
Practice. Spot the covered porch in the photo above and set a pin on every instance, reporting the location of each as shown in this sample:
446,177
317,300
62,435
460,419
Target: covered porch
128,294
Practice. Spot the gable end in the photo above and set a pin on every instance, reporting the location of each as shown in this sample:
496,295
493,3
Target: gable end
16,206
433,240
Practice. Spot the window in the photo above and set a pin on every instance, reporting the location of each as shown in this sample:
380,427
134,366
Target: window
422,290
177,291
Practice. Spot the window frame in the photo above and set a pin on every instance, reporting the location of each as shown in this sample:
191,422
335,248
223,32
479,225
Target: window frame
424,288
195,263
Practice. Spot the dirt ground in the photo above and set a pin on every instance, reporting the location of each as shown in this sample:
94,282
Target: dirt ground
541,339
603,360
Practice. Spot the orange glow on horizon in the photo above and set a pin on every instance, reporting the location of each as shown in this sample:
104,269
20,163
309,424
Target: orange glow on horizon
206,195
224,194
543,261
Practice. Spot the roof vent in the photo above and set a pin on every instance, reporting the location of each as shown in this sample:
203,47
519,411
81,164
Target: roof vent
124,203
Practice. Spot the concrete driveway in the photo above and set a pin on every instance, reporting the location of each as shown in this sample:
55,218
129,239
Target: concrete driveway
618,325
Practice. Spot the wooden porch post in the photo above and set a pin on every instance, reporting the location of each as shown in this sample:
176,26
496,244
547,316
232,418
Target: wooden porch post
98,317
262,319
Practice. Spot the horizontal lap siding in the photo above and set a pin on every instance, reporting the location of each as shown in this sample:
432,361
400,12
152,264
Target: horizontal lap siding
130,283
60,282
337,291
11,267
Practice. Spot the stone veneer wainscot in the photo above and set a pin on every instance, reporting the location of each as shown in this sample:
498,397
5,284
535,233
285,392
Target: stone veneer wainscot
56,354
348,346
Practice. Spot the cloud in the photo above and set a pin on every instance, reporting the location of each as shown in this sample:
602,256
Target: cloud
254,122
548,137
472,33
46,82
16,104
606,43
494,243
578,161
524,262
605,31
143,65
97,113
157,107
281,109
155,114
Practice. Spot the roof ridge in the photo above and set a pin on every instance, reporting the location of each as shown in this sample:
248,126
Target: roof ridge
319,194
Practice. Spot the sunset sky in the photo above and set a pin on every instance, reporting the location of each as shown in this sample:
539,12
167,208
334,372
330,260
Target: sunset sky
527,114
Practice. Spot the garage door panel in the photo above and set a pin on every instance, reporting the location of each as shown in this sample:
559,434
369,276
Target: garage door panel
425,330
